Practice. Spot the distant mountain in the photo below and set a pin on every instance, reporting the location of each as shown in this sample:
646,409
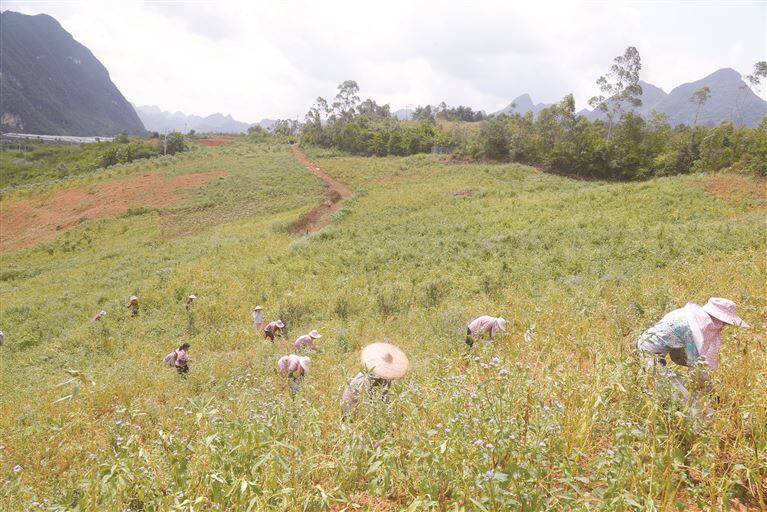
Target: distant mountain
266,124
51,84
403,114
522,105
651,97
731,100
158,120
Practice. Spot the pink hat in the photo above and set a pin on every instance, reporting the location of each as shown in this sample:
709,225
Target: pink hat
724,310
280,324
315,335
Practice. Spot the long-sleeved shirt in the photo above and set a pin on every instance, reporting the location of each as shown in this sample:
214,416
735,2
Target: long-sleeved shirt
304,341
273,328
290,365
356,387
182,358
689,331
484,325
258,317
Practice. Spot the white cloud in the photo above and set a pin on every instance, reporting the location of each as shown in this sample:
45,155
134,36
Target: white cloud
271,59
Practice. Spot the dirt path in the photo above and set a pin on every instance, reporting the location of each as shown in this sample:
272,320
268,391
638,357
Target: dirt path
320,215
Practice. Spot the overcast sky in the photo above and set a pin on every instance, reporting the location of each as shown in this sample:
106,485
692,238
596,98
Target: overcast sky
272,59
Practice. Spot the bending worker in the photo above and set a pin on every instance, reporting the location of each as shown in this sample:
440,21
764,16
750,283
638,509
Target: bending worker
690,336
484,326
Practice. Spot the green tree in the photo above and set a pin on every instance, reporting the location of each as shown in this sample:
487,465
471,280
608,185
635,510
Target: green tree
494,138
175,143
700,97
346,100
759,74
619,87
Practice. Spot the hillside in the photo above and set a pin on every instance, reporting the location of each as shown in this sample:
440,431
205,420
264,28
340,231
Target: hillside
555,415
161,121
51,84
731,99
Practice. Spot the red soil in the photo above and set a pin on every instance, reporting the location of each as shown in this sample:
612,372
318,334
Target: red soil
733,186
26,222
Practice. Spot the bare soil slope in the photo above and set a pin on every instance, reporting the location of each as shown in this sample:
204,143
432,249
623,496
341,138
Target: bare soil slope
26,222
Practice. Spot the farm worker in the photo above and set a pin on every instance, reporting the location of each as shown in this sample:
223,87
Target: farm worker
190,300
179,359
484,326
690,336
2,338
384,363
133,305
258,318
294,367
307,340
274,327
101,314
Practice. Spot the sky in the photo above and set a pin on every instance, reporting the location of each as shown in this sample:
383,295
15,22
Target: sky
257,59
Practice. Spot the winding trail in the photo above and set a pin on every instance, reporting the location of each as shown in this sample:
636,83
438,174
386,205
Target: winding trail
320,215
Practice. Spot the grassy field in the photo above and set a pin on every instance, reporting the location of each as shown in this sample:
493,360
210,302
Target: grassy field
561,421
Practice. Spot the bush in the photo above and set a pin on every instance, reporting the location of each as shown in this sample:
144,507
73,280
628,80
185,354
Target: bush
175,143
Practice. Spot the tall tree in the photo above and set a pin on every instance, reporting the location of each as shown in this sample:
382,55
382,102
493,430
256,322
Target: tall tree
754,80
423,113
700,97
759,74
346,99
619,87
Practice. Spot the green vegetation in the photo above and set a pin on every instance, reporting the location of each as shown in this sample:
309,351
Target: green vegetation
629,148
26,162
554,416
624,146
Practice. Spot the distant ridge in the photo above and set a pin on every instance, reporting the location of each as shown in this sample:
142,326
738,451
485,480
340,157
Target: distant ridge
522,105
157,120
51,84
731,100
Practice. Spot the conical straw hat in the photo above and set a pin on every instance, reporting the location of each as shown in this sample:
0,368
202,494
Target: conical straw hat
385,361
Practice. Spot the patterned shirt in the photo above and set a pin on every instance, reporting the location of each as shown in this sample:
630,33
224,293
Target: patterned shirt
182,358
674,333
358,385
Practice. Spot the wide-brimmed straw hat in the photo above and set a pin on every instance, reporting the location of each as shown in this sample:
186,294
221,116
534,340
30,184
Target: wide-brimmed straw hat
257,308
192,296
724,310
133,298
315,335
280,324
385,361
501,323
304,362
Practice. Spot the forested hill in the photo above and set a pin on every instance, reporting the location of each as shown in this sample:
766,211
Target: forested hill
50,83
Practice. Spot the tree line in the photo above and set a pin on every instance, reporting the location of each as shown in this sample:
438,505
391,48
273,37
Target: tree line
622,145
